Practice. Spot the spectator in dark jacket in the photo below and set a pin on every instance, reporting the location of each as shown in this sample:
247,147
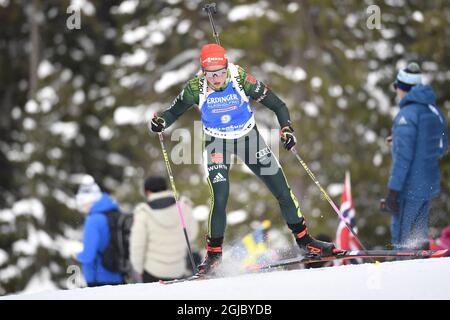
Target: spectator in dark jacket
96,205
419,140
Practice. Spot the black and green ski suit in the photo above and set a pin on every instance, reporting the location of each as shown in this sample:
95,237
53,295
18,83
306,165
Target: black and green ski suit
250,148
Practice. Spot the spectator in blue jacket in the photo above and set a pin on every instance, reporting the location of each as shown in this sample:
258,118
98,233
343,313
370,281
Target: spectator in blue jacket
419,140
95,204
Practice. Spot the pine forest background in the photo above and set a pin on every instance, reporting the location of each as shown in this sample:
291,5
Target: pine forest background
74,101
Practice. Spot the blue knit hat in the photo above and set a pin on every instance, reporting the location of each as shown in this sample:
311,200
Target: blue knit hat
409,77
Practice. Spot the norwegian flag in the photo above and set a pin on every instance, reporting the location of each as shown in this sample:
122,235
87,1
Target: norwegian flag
345,240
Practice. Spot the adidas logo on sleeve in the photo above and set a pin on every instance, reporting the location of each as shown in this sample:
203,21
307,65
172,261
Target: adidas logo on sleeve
402,121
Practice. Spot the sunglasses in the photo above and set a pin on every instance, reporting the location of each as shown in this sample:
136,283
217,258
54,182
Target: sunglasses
215,73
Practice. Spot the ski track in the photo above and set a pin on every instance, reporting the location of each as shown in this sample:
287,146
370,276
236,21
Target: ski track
414,279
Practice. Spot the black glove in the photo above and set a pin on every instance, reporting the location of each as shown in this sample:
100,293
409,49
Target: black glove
288,138
157,124
391,203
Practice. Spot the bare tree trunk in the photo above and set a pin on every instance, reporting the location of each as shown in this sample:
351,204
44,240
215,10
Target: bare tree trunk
34,49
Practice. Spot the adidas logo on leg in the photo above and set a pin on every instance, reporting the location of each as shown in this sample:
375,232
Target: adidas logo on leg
219,178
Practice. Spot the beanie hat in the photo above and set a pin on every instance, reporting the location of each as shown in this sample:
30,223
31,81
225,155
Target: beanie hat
88,193
409,77
155,184
213,55
445,237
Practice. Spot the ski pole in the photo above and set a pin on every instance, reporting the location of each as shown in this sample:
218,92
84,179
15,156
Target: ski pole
177,201
325,194
211,8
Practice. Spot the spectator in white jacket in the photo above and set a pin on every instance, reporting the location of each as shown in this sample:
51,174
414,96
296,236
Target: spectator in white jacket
158,248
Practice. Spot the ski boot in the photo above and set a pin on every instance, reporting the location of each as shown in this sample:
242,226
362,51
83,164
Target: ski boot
213,257
309,246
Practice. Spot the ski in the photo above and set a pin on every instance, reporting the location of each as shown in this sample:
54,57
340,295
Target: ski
195,277
342,255
346,255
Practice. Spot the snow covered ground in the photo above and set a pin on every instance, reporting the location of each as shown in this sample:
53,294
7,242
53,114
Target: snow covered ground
417,279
